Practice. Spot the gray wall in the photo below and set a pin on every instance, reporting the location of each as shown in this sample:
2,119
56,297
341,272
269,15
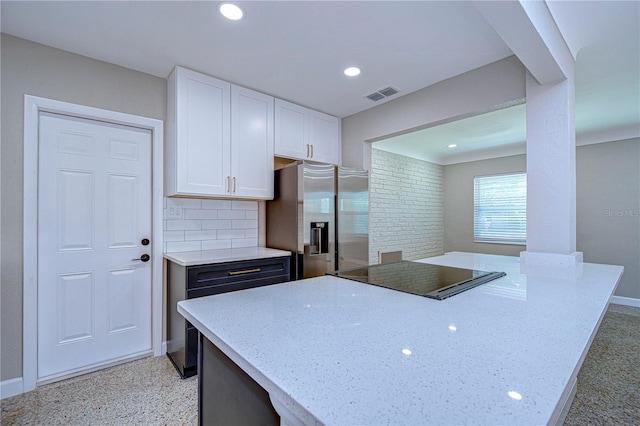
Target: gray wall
607,203
471,93
458,204
406,202
34,69
608,208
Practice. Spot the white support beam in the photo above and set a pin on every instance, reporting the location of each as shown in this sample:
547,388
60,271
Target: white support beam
529,30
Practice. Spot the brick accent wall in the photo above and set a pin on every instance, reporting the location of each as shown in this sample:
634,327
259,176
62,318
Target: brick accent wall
406,206
192,224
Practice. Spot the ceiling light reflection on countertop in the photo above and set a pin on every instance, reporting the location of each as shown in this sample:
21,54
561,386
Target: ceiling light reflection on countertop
406,351
453,327
231,11
453,145
515,395
352,71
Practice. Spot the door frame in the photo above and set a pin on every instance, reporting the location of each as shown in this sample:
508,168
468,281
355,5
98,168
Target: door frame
33,105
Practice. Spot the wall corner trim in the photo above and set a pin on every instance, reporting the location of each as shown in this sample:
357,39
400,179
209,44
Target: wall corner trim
11,387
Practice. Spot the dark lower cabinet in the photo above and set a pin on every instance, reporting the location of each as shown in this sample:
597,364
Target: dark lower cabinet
188,282
227,395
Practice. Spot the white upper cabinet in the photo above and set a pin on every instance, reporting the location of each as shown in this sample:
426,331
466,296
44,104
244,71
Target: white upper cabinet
219,139
306,134
292,130
324,138
251,144
198,134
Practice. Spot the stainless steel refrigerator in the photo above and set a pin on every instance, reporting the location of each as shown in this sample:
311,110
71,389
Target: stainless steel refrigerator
320,213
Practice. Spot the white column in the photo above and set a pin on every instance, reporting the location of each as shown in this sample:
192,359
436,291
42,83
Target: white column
528,28
551,173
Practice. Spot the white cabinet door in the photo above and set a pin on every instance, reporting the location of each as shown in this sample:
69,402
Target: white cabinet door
324,138
306,134
198,155
251,144
291,130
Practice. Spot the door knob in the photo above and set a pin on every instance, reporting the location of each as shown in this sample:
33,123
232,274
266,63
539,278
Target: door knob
145,258
145,242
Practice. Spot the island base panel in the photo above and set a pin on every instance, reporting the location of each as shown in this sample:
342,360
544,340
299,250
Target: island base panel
226,394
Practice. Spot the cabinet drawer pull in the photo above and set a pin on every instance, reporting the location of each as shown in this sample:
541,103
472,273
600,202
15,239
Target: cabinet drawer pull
246,271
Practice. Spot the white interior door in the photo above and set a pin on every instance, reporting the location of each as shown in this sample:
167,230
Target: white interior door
94,210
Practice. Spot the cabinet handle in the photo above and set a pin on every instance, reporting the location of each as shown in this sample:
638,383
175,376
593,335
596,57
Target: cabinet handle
307,150
311,151
234,184
228,184
246,271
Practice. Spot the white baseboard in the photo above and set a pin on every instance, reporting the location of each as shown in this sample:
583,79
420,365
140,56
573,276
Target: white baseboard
627,301
163,348
11,387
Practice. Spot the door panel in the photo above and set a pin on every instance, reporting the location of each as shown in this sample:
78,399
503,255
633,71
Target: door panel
75,307
75,210
94,208
122,309
123,222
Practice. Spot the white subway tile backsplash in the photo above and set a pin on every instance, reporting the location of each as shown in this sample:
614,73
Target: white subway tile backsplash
180,246
251,233
182,225
231,233
195,224
186,203
216,244
244,205
246,242
200,214
244,224
200,235
231,214
173,236
216,204
216,224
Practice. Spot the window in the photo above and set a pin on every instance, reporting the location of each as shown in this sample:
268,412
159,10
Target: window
500,208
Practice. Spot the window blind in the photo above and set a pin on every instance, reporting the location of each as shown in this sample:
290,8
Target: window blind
500,208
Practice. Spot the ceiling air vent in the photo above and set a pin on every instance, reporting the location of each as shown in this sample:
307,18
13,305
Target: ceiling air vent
383,93
375,96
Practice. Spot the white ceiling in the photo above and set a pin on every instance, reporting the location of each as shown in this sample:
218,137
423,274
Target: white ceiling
605,36
296,50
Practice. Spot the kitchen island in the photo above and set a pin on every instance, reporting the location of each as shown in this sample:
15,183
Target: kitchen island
333,351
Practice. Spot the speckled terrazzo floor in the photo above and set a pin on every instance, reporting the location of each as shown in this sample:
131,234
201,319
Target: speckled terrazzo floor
149,391
144,392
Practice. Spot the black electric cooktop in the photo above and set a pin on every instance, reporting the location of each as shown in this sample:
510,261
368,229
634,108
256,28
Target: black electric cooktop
434,281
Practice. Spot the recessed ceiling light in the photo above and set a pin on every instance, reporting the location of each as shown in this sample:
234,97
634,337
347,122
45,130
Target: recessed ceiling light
352,71
453,145
231,11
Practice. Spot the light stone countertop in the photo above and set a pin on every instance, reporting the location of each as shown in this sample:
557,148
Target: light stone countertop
205,257
335,351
